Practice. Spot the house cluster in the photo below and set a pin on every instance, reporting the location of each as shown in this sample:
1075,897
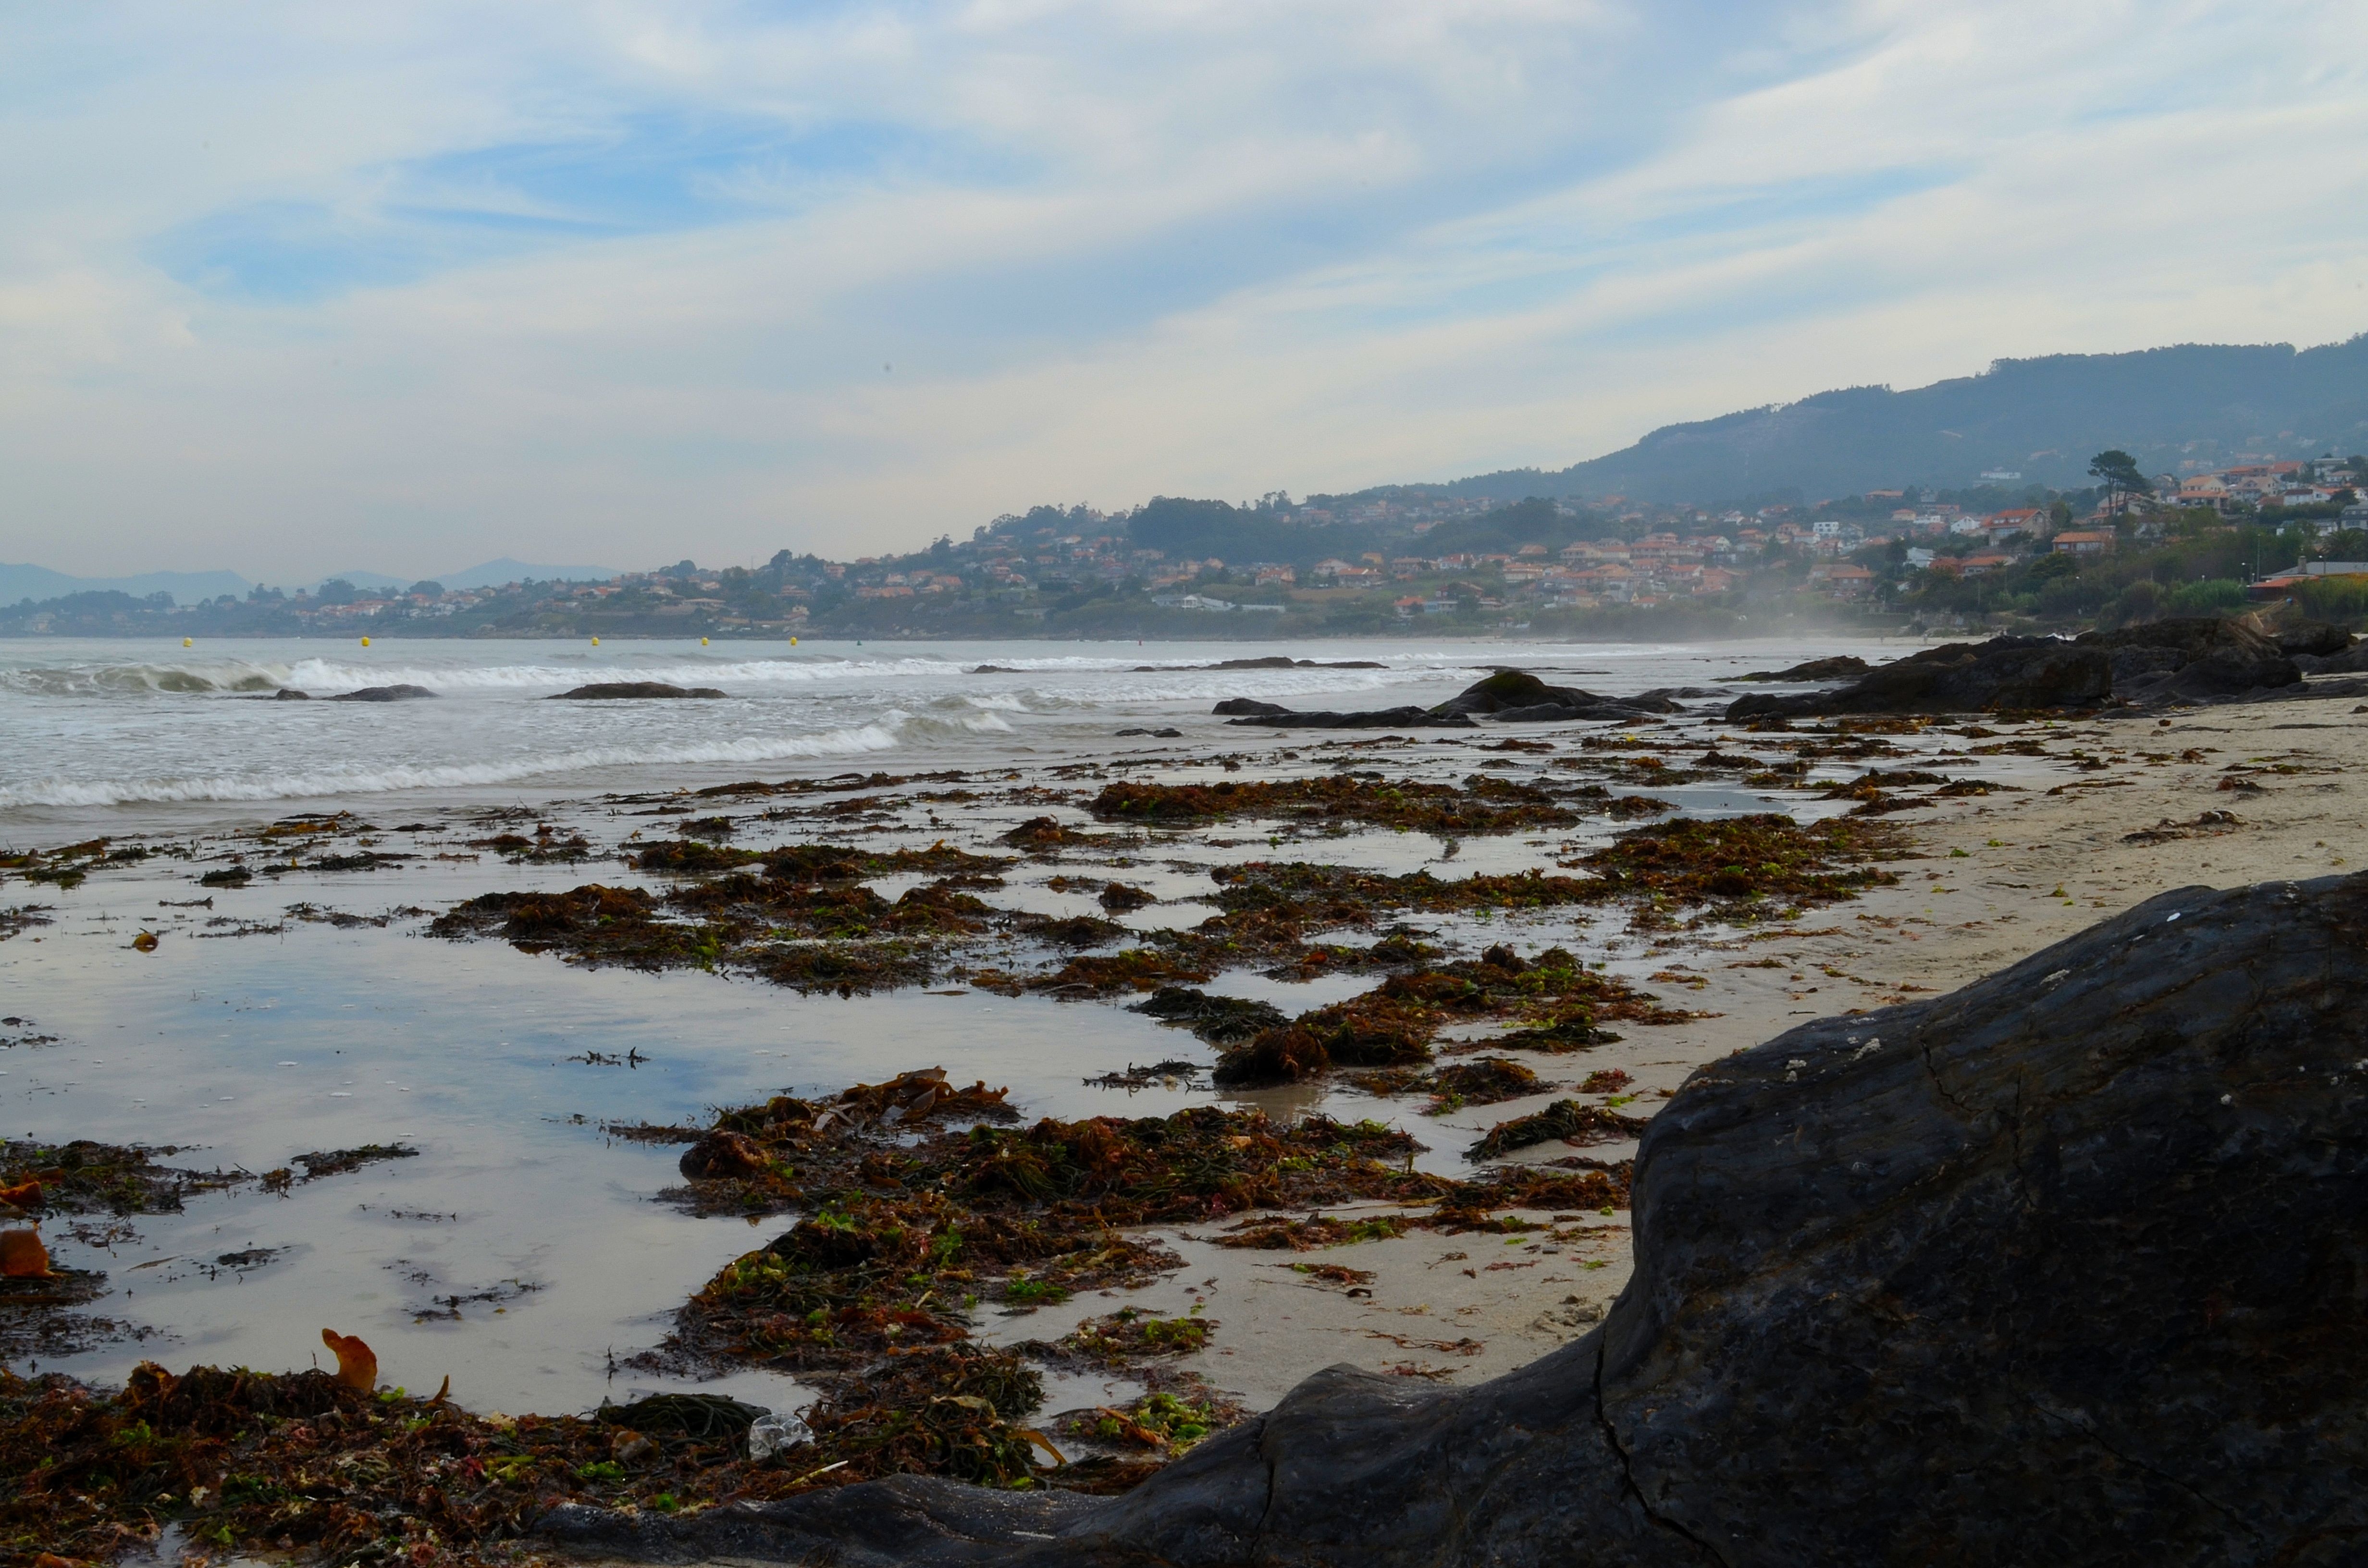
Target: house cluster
2314,482
1654,569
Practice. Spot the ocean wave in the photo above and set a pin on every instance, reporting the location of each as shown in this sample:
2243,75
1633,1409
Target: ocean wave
190,677
892,732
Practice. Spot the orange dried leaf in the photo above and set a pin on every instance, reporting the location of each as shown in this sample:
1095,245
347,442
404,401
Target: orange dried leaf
22,1255
24,1195
145,942
357,1362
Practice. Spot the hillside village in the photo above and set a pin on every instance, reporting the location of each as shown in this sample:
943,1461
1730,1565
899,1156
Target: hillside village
1410,560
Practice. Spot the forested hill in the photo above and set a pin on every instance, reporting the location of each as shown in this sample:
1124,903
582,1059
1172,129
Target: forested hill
2038,418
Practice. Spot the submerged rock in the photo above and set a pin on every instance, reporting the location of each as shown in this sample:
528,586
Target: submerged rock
2070,1266
616,689
379,694
2005,673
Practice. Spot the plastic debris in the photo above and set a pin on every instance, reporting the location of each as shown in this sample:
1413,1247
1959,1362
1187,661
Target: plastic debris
776,1433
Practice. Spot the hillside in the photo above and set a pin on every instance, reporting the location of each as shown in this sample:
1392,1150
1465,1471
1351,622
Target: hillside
2038,418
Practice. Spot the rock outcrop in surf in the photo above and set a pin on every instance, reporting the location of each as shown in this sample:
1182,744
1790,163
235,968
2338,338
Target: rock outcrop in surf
2186,659
616,690
2070,1266
1511,696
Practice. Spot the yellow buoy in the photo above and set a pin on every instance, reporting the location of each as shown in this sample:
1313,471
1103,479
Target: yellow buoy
595,642
365,642
793,641
187,643
702,642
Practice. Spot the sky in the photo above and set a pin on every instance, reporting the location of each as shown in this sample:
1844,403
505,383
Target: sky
290,289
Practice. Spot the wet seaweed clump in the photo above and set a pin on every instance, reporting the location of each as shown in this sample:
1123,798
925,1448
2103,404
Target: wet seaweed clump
305,1464
903,1238
1567,1120
1395,1023
1045,835
1745,868
70,865
1483,805
1312,1233
1220,1020
88,1178
1102,975
547,846
809,922
918,1213
24,917
1485,1082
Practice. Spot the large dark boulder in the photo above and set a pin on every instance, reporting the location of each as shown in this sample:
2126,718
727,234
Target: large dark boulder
2316,639
2192,657
2067,1267
2350,660
380,694
2005,673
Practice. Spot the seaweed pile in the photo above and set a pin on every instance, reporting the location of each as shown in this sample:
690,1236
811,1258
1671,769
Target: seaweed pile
306,1462
1483,805
810,921
920,1203
1555,1002
70,865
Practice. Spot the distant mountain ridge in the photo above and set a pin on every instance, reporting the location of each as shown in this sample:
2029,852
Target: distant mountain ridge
2041,419
28,582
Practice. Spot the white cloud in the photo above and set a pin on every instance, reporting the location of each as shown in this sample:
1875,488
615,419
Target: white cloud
1110,250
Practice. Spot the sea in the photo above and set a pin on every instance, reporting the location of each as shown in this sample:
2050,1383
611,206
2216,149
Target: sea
520,1251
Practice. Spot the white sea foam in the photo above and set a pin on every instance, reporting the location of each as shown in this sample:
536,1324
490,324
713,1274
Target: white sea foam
363,779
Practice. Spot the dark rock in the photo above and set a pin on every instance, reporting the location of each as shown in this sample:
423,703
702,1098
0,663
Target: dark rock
380,694
2316,638
2215,658
1270,662
1512,697
290,694
992,670
2351,661
1408,718
1155,735
2005,673
1518,696
1842,666
611,690
2070,1266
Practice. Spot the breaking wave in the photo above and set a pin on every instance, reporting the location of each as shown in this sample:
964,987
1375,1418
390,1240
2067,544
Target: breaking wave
892,730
